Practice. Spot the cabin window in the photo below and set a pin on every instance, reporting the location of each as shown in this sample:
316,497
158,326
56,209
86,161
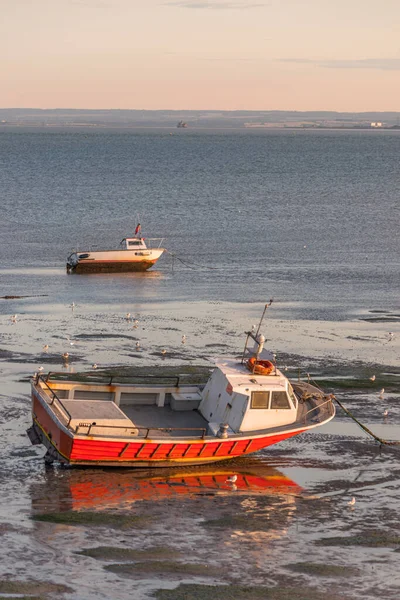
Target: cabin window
259,399
138,243
279,400
292,395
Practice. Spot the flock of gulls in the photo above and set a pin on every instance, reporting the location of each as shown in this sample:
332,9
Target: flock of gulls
66,356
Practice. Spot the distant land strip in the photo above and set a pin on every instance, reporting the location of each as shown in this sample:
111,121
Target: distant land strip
185,120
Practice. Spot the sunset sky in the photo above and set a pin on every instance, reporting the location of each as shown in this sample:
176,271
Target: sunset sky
201,54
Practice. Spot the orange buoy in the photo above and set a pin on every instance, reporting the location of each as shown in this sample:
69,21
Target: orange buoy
260,367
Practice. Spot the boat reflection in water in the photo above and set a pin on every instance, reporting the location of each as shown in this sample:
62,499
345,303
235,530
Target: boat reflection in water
94,489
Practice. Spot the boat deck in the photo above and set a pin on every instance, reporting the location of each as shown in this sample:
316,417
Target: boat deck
155,417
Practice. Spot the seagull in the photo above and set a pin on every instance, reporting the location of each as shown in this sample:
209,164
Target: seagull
46,348
183,339
231,479
391,335
14,319
137,345
381,393
135,324
253,328
163,352
73,305
128,316
385,412
372,378
65,356
94,366
352,502
40,369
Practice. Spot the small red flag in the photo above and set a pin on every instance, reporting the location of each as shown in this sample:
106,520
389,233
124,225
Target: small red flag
138,229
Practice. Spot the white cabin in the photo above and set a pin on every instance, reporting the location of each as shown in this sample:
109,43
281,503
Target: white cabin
133,244
247,401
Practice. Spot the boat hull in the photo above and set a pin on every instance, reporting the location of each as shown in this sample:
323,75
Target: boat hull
112,266
149,453
67,447
111,261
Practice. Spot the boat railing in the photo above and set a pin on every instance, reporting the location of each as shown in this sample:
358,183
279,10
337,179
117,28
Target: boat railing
328,402
106,380
159,240
55,400
90,430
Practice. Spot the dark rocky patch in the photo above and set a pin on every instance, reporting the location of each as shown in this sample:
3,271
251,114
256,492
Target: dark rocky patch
128,554
33,587
105,519
323,569
238,592
371,539
165,568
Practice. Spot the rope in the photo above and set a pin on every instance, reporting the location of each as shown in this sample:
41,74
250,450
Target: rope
189,263
363,427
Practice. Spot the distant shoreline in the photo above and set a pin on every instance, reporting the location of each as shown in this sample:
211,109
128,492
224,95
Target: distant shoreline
172,130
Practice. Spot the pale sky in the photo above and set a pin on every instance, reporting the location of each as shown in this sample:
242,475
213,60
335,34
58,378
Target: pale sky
201,54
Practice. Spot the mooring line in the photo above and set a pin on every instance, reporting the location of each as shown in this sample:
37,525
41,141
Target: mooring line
363,427
189,263
350,414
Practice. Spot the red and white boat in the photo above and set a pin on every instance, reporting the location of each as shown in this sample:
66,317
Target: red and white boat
247,404
133,255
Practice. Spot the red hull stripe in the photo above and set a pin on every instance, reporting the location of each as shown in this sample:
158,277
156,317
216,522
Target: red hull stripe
95,450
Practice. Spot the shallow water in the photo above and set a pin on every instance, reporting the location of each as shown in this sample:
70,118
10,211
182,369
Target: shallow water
335,302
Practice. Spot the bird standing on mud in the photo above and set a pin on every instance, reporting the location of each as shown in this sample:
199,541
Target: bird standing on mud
381,393
184,339
46,348
352,502
372,378
231,479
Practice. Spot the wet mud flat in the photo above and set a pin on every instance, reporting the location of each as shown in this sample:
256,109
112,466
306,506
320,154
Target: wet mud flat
284,530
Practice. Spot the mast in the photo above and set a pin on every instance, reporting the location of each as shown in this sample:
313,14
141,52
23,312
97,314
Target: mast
251,334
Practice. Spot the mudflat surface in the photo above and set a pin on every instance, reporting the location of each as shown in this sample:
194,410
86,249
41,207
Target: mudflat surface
285,526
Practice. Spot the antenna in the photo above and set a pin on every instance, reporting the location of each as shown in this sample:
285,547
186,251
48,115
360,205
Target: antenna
262,316
251,334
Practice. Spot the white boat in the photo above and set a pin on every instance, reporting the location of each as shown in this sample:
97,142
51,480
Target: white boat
133,255
245,405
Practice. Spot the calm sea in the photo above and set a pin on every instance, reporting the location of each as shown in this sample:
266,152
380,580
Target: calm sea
309,218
